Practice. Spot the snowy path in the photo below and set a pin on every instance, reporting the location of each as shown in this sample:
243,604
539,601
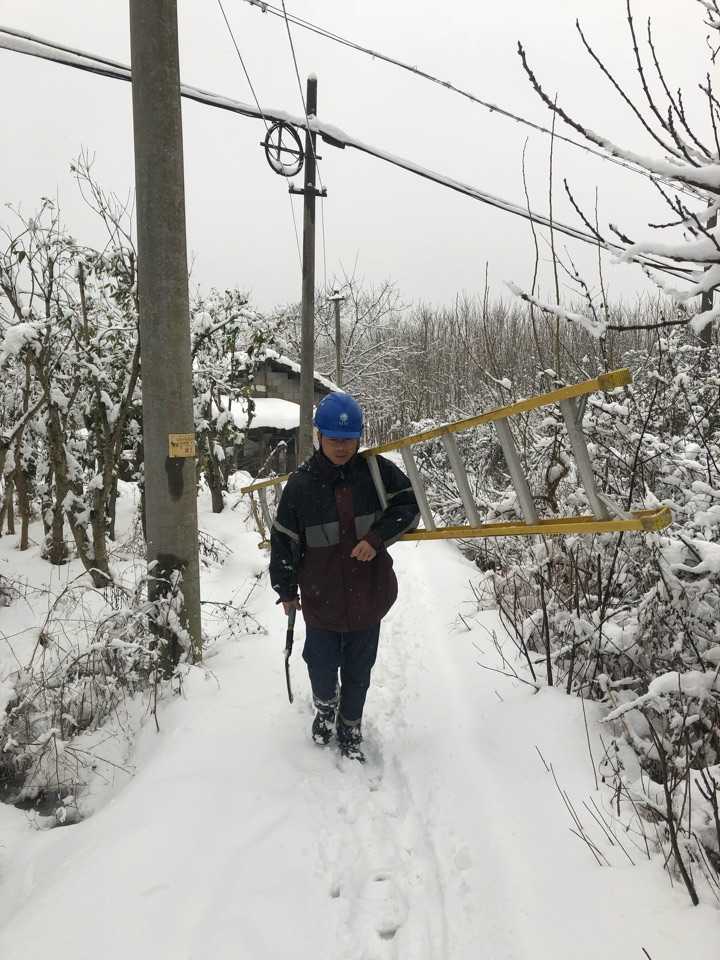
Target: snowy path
238,838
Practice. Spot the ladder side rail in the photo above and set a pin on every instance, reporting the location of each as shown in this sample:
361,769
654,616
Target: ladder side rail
418,488
573,425
471,510
259,484
267,516
378,481
519,481
641,521
606,381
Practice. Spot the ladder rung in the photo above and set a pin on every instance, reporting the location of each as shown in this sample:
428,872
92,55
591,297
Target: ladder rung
378,481
262,494
519,481
613,508
573,424
471,510
418,488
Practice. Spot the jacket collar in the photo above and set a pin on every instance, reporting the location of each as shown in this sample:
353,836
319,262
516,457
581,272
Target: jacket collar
329,471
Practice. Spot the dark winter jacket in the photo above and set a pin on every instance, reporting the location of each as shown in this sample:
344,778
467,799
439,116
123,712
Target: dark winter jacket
324,511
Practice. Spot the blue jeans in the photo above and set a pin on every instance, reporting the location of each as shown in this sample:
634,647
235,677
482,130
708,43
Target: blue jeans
353,654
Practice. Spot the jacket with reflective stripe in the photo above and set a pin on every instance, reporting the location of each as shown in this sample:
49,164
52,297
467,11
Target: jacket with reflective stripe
323,512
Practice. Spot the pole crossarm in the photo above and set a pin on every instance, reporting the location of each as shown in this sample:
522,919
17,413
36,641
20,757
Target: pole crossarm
606,516
30,45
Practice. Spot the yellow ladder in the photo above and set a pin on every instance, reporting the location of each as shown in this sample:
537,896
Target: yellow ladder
606,517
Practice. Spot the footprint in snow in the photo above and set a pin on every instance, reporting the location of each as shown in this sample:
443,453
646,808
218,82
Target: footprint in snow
381,906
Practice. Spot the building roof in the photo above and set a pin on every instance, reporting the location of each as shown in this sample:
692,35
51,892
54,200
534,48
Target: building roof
269,412
287,364
279,361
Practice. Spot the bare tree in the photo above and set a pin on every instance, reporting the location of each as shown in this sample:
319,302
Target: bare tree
685,175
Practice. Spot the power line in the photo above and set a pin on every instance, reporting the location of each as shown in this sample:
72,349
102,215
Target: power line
322,221
419,72
297,235
336,137
242,62
302,95
264,119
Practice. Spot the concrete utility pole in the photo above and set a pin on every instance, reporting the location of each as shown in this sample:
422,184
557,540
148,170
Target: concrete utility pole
307,350
337,298
168,425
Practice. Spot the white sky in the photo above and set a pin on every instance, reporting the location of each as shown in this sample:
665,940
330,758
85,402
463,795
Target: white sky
432,242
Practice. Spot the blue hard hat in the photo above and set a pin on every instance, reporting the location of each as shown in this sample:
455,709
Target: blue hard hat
339,416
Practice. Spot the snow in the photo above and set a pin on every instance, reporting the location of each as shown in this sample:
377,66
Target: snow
16,337
708,554
596,328
238,838
269,412
694,683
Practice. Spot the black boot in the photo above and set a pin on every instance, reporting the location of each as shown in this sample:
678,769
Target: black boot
350,739
324,724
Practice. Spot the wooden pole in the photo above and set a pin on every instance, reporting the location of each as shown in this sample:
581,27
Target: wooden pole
337,298
307,351
168,423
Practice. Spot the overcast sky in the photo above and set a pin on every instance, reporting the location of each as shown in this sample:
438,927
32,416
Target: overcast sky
432,242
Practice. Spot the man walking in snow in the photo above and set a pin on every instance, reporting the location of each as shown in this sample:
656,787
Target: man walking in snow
329,540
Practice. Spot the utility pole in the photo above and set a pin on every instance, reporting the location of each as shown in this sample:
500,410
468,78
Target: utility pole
707,299
168,424
337,298
307,349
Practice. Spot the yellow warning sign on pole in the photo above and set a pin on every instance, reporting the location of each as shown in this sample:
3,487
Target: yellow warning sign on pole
181,445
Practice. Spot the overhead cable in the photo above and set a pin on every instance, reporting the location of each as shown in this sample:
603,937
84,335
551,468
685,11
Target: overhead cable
257,103
310,140
35,47
242,62
419,72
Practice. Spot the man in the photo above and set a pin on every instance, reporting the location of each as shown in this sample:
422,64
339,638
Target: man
330,539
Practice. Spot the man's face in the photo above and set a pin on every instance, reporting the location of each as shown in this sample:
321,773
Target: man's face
338,451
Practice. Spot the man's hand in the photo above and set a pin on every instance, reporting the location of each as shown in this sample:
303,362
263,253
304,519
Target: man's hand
364,551
289,605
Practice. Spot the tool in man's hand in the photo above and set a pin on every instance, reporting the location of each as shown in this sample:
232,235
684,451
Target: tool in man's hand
288,649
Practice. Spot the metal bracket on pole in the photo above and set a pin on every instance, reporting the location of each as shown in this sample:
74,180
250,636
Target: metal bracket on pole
303,191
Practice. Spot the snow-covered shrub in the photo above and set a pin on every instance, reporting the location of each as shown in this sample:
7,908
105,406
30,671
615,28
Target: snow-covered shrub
99,666
96,651
613,616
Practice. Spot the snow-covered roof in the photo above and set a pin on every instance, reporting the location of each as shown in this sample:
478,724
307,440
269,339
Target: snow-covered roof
269,412
282,361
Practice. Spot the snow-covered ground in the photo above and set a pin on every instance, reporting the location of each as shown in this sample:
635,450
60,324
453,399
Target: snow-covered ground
237,837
